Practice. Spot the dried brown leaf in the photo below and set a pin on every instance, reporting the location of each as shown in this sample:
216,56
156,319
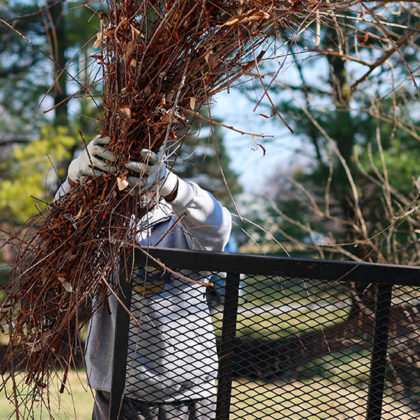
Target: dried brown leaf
250,16
130,48
126,111
122,183
192,103
67,287
99,40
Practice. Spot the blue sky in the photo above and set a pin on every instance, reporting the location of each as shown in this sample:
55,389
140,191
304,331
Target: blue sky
283,150
247,158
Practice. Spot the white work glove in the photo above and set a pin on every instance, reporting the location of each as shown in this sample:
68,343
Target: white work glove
154,174
94,160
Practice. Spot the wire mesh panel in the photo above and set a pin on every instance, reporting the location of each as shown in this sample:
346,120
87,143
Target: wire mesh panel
402,379
269,346
291,354
172,352
304,350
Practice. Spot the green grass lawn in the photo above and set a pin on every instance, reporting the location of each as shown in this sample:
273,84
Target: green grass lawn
308,400
74,404
333,387
260,290
336,389
271,326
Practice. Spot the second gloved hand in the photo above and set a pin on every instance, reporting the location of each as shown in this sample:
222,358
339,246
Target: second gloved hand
94,160
153,173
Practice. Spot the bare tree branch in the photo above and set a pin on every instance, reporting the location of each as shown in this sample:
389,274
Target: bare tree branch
38,13
385,56
11,139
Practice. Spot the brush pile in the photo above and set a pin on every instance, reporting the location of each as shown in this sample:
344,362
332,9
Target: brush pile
161,61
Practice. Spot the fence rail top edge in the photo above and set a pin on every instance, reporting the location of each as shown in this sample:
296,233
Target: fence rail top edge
284,266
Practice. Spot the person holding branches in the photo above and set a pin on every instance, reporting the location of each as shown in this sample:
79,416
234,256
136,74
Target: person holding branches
173,365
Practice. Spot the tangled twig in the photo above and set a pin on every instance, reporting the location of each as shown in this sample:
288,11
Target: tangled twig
161,61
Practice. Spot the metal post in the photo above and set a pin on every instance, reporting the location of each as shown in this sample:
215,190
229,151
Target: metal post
230,311
119,363
383,295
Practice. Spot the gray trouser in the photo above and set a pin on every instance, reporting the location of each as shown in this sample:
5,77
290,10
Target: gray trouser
203,409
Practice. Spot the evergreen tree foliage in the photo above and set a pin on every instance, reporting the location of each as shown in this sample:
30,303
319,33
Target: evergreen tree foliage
367,129
44,64
45,59
31,176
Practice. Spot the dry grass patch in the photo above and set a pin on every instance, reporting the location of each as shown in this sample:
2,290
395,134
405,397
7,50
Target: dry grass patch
298,400
75,403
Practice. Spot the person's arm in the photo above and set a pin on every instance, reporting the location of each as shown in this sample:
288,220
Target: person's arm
207,224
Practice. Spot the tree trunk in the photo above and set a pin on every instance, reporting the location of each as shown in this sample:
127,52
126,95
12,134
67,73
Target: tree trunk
58,47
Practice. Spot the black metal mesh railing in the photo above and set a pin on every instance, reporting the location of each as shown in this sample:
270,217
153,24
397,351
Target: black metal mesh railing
272,339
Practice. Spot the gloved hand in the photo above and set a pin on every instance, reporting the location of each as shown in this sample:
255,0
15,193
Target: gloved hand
155,174
94,160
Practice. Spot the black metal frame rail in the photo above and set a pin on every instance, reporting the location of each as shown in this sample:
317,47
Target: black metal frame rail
383,277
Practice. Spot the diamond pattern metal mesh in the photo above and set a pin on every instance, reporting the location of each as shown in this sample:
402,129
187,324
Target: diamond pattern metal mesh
173,355
402,385
300,348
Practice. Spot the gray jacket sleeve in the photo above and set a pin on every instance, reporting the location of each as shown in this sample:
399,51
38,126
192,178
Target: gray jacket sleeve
206,223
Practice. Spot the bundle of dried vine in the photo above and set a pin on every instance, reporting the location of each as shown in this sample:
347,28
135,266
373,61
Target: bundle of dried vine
161,60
